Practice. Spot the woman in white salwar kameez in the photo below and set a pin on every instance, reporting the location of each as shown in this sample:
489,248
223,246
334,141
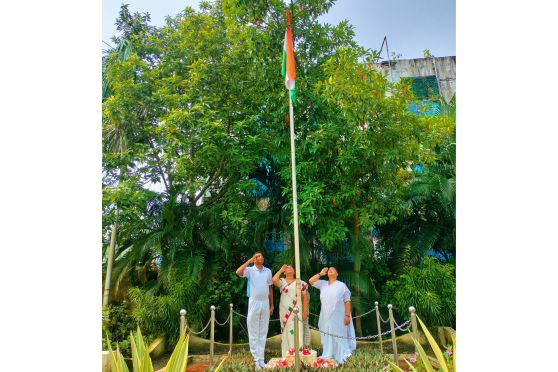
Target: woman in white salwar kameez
287,287
335,316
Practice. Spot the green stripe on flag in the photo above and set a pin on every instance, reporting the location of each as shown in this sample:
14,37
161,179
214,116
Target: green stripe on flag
284,63
292,92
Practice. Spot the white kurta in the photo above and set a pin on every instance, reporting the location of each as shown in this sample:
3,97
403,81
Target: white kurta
258,310
286,304
332,314
306,325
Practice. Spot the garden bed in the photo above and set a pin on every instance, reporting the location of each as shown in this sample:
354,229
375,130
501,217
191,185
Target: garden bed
363,359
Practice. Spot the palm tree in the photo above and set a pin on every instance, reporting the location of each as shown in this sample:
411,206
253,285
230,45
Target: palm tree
115,134
427,220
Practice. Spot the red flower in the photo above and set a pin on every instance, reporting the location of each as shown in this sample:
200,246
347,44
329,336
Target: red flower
291,351
283,363
287,315
305,352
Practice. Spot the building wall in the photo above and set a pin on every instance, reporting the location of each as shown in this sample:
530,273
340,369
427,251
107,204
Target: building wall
419,67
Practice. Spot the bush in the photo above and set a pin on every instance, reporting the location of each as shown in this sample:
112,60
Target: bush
430,288
158,313
117,325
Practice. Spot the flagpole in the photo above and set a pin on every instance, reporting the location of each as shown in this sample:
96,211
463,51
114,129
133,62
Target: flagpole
288,71
295,219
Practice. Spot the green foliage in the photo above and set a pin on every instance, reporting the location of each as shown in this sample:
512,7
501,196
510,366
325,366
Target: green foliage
426,216
157,312
361,360
116,360
141,360
179,357
445,360
140,355
430,287
117,325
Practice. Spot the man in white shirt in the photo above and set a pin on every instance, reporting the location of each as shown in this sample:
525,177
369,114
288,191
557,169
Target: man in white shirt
260,305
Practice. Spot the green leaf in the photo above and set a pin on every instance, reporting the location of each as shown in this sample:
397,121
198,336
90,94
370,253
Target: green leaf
434,346
423,356
179,357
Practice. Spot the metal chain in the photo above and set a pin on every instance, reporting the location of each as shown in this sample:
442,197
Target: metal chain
225,322
245,317
239,314
244,329
354,317
204,328
383,333
382,319
361,315
359,338
397,326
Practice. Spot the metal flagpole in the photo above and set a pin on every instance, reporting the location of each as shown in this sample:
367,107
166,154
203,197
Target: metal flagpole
295,215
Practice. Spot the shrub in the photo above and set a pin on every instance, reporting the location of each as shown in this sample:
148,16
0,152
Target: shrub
117,325
430,287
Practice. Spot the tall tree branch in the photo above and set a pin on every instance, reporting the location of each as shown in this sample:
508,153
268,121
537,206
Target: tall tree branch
158,160
212,179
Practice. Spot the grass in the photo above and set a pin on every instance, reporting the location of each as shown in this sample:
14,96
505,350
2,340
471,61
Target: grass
361,360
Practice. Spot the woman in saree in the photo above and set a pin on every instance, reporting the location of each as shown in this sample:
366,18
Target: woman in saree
287,287
335,316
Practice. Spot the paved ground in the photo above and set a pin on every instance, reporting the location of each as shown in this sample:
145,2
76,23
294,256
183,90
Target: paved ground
197,367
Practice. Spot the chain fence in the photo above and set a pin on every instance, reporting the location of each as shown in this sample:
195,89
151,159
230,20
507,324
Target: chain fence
361,315
401,327
361,337
200,332
382,319
225,322
404,327
397,326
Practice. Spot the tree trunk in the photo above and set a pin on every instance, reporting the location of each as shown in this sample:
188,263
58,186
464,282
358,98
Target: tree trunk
110,259
356,231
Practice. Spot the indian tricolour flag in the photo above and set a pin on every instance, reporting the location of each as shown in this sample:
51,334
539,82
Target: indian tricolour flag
288,66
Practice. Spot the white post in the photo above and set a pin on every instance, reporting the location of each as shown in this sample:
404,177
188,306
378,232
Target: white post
296,340
230,328
394,342
212,336
379,326
413,311
182,321
295,209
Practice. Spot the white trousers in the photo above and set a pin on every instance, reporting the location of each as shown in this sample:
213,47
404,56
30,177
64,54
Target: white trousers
258,323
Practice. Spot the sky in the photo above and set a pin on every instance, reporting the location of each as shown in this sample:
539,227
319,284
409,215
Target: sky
411,26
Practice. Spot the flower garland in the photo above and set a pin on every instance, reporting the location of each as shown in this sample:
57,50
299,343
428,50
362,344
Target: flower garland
285,290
